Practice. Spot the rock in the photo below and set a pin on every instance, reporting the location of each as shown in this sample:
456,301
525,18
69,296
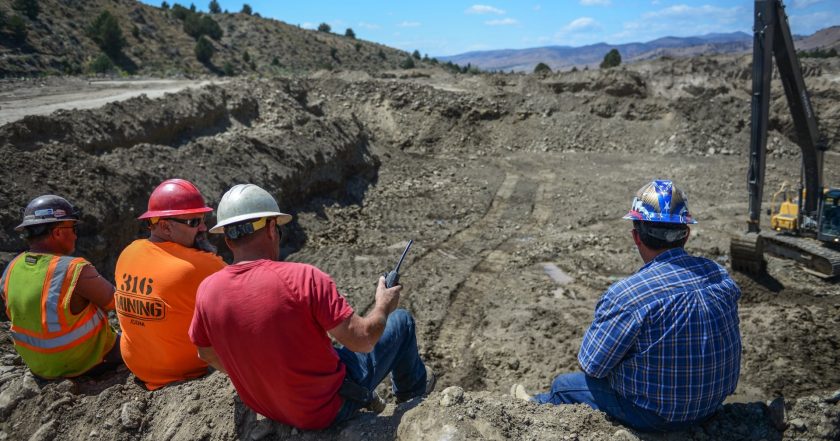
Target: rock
623,435
834,397
776,413
798,424
452,395
45,432
16,392
131,415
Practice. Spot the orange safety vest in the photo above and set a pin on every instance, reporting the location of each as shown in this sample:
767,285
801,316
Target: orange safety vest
53,341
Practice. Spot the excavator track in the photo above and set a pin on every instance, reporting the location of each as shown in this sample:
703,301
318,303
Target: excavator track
820,260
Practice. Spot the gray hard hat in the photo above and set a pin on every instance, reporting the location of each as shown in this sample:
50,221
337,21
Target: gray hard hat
247,201
48,209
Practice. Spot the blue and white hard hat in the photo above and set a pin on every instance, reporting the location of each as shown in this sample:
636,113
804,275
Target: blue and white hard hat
660,201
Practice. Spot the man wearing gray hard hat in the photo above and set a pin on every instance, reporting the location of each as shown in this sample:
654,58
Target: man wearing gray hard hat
57,302
267,324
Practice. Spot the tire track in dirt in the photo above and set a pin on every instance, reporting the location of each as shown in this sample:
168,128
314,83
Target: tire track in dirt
480,254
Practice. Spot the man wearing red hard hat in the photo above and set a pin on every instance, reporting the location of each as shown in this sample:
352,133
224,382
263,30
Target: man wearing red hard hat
157,279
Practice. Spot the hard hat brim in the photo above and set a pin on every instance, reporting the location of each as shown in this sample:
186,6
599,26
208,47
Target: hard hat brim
29,223
667,218
282,219
168,213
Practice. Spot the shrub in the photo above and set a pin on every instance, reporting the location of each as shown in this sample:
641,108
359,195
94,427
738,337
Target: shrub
246,9
416,54
358,46
18,28
135,31
542,68
275,61
350,34
612,59
408,63
106,33
164,5
214,7
323,27
435,60
101,64
192,7
381,54
28,8
2,19
196,25
228,69
818,53
204,50
180,12
246,57
574,69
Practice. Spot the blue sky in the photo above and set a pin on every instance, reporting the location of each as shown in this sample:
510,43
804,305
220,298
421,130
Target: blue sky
438,27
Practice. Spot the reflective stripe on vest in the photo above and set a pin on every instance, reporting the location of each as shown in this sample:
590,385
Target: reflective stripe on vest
51,305
64,340
4,283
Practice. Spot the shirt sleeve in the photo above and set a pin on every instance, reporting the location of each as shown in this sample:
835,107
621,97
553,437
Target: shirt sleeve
328,306
198,331
611,335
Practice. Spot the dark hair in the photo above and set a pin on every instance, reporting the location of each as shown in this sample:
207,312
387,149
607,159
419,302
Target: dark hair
661,235
34,232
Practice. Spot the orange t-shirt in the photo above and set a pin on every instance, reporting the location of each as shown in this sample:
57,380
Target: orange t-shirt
155,301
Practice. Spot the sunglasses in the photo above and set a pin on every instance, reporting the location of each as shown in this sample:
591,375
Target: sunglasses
192,223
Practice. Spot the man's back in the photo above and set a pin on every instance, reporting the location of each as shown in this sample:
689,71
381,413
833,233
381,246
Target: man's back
674,340
156,287
267,322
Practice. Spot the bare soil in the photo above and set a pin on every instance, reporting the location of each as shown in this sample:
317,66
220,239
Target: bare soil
513,188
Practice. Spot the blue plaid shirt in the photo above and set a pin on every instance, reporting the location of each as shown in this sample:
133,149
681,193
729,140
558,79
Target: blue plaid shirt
667,337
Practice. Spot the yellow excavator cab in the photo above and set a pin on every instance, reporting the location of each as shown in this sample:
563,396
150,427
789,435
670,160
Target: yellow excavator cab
785,216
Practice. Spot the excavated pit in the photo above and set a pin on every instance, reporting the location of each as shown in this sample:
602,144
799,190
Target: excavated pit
512,187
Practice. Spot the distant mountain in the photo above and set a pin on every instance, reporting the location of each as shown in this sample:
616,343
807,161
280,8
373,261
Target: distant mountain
564,57
828,38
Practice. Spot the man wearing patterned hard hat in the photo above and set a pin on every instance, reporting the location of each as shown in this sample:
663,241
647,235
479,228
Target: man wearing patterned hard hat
664,349
268,323
57,303
157,279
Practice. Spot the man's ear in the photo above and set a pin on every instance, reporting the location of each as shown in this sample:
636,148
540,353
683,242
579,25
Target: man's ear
636,238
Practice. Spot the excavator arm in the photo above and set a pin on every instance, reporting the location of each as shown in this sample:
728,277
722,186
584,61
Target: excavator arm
772,37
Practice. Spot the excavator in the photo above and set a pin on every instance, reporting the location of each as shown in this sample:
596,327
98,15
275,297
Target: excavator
805,227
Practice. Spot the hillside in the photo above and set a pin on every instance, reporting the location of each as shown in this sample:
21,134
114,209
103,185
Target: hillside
566,57
56,42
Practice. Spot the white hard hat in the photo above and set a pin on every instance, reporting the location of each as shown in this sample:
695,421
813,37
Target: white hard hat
247,201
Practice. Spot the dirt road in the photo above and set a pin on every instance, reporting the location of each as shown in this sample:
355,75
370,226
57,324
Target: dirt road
43,98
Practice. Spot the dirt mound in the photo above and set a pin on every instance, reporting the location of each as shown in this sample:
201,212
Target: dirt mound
513,188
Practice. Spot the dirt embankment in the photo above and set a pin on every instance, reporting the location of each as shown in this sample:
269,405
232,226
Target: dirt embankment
513,188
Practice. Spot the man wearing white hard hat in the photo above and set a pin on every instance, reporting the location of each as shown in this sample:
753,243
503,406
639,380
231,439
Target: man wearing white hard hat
267,324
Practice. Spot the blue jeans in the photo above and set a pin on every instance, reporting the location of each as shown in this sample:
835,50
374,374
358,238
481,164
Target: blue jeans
394,353
579,388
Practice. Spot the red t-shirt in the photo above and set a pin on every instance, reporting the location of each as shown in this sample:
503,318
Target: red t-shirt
268,323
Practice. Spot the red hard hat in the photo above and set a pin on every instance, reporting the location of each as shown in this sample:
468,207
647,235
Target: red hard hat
174,197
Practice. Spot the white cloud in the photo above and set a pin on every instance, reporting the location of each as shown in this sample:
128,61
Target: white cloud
595,2
370,26
502,22
804,3
409,24
582,24
810,23
537,7
484,9
682,11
